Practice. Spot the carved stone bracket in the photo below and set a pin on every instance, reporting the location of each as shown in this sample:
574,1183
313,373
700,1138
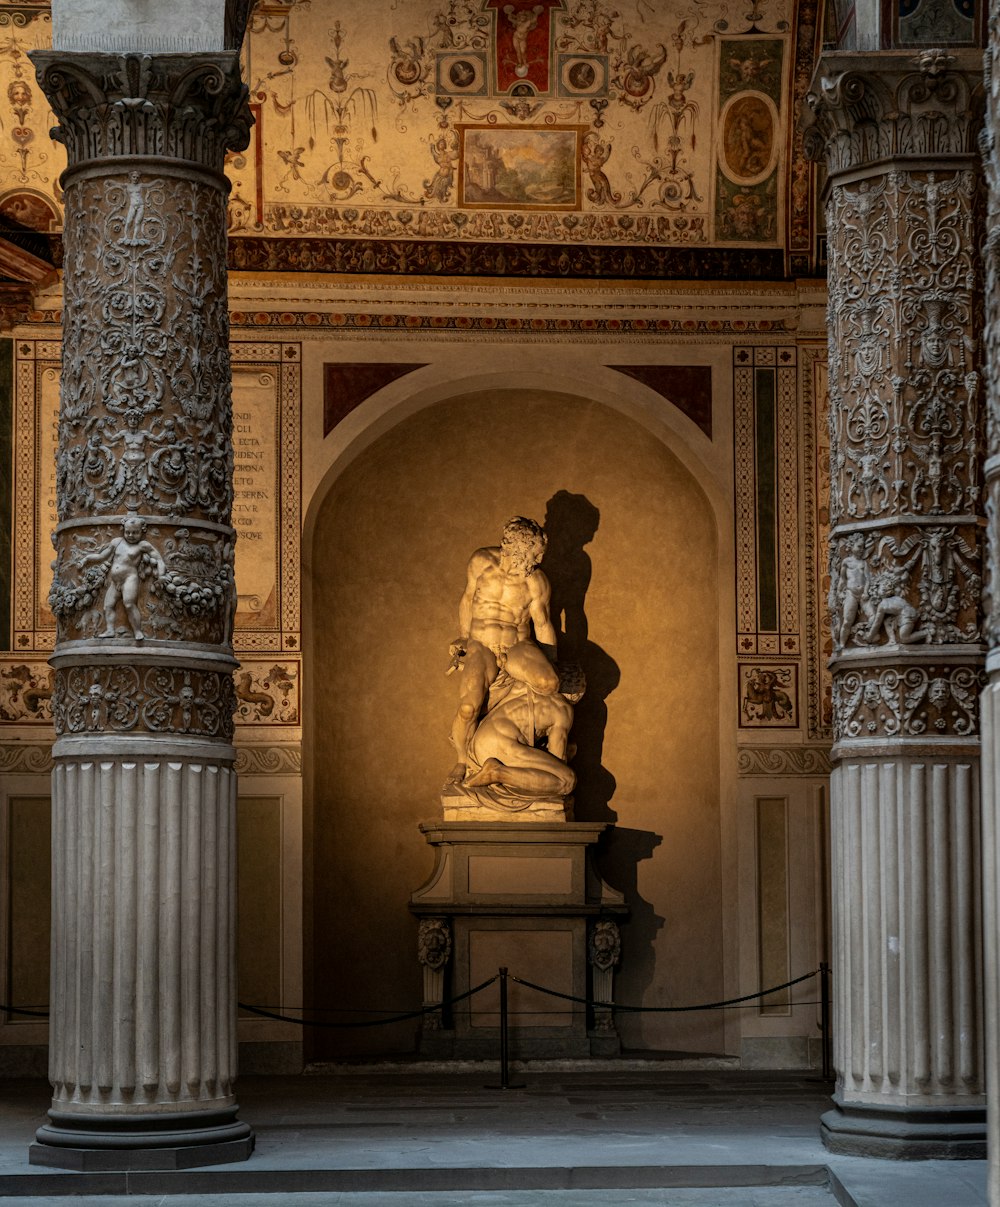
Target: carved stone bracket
604,954
433,952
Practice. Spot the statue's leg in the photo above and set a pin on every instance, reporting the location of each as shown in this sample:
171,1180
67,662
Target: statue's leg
508,761
525,661
479,669
552,779
110,608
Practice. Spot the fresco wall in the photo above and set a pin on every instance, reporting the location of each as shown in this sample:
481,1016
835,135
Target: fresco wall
529,123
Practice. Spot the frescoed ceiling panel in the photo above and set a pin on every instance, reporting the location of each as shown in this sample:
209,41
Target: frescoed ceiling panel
529,123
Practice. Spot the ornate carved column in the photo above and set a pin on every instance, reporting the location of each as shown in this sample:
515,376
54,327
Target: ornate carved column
991,695
143,1014
899,133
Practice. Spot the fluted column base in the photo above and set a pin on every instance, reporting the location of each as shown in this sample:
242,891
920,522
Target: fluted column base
990,713
907,969
905,1133
143,1055
171,1140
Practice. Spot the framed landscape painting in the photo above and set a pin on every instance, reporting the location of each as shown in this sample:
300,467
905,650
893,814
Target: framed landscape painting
532,169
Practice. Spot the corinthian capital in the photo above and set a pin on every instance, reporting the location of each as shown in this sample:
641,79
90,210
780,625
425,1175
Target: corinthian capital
880,106
186,107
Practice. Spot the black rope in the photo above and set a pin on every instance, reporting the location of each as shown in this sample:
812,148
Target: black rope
732,1001
379,1022
264,1012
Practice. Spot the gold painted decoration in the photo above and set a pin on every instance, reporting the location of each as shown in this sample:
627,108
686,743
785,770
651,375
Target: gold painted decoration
357,122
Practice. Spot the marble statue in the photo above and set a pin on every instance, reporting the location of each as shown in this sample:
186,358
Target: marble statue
515,711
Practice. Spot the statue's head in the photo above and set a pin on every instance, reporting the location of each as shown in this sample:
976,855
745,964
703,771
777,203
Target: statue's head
133,527
522,545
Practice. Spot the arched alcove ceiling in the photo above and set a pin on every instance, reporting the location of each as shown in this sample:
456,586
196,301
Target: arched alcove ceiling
428,387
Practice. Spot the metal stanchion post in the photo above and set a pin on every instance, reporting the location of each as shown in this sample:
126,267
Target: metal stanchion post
504,1038
824,1018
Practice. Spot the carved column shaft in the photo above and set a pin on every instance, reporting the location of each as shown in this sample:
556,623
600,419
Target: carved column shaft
899,136
991,695
143,1026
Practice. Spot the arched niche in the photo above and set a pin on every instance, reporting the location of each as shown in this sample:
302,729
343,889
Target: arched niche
387,546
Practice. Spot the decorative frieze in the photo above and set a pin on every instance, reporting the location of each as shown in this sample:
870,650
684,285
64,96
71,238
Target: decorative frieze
153,699
905,585
26,758
753,761
132,579
907,701
269,760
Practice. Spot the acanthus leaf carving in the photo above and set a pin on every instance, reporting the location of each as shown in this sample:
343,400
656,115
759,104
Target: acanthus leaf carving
189,107
870,108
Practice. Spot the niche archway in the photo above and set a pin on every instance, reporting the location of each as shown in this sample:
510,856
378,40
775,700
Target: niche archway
389,543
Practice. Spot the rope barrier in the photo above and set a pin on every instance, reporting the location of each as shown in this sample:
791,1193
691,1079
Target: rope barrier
278,1016
503,976
733,1001
379,1022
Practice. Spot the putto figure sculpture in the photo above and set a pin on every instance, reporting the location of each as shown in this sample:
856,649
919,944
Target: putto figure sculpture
511,731
124,556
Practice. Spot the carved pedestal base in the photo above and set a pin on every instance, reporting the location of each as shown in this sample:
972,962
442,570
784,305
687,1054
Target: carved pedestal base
176,1140
463,804
523,896
906,1133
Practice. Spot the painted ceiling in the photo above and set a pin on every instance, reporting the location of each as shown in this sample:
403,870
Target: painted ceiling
648,128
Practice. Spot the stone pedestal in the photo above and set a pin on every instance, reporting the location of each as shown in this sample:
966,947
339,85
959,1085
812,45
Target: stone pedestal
524,896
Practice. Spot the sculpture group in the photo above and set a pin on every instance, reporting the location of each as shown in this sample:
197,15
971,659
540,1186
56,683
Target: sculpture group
515,712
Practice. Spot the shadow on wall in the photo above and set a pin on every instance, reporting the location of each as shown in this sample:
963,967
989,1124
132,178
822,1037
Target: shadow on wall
571,522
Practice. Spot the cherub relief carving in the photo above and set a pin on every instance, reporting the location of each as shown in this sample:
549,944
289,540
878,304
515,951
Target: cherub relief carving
125,556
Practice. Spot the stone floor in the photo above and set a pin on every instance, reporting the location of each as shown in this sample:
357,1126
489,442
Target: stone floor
567,1139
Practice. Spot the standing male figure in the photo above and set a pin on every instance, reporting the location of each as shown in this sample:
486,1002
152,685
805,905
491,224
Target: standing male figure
505,594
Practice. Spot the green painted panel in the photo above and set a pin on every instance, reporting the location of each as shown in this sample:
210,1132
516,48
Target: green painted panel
767,501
